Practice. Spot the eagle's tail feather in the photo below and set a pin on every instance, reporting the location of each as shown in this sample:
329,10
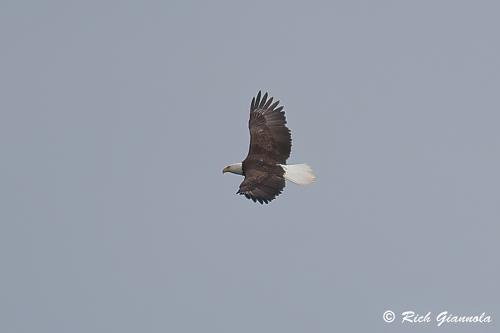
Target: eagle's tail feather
300,174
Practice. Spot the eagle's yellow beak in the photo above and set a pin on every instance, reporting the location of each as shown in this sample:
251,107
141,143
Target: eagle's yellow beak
226,169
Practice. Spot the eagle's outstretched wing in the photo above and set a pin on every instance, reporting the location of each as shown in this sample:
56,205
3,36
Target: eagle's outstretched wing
270,139
270,145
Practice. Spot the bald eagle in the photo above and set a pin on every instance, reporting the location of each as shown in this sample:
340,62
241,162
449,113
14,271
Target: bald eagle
265,167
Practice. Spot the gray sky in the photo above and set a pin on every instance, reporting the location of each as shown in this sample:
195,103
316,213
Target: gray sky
116,121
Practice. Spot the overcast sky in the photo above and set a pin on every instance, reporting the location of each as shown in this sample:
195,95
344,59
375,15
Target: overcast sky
117,117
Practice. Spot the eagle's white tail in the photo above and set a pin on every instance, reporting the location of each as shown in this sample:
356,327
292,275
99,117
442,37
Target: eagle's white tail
301,174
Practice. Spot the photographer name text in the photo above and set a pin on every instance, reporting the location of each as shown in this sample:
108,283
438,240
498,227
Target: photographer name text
444,318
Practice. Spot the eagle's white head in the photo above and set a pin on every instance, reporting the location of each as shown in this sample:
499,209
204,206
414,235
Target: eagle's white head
234,168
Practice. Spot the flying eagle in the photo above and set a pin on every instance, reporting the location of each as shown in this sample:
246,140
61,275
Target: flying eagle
265,168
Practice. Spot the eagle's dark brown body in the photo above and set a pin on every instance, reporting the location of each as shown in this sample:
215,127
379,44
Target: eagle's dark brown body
270,146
